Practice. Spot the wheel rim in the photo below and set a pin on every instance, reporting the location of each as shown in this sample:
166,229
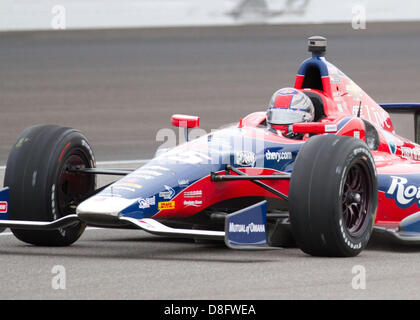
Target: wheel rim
355,200
72,188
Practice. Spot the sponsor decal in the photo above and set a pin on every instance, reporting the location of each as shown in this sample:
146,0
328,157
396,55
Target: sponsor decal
148,225
128,184
21,141
168,194
3,206
404,194
278,156
390,140
406,153
288,91
249,228
125,188
4,198
100,199
358,108
193,203
183,182
166,205
158,168
245,158
193,194
54,213
330,128
111,194
410,154
142,176
145,203
189,157
150,172
335,79
347,241
354,91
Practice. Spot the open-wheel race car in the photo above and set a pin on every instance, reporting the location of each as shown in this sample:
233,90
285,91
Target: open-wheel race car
323,185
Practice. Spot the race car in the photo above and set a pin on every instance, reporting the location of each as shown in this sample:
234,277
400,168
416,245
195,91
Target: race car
324,186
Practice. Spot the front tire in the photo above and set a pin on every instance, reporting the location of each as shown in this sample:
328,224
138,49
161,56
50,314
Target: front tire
41,189
333,196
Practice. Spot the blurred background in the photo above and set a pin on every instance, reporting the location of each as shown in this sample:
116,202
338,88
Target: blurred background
118,69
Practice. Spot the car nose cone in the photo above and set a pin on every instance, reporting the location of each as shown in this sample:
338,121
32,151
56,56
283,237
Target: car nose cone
99,205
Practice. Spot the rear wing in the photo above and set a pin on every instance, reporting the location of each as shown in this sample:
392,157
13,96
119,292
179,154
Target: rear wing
405,118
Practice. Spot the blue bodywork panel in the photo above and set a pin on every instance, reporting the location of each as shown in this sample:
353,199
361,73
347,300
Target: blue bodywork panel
247,227
4,204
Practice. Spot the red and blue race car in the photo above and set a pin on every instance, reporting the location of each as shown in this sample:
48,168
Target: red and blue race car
342,176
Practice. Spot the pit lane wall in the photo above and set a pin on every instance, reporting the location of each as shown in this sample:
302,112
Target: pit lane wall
92,14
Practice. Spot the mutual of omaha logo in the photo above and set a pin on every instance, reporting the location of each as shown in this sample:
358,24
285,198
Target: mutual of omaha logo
251,227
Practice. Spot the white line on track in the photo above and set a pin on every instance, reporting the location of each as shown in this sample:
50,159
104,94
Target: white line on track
114,162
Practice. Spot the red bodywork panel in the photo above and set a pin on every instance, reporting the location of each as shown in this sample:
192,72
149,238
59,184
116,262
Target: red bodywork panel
347,106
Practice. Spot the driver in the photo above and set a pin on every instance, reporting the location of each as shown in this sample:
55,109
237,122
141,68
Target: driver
289,106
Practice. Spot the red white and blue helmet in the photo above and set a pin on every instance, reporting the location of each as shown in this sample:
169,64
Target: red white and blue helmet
288,106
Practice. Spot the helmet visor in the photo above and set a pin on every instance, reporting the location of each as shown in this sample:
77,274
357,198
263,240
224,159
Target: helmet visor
285,116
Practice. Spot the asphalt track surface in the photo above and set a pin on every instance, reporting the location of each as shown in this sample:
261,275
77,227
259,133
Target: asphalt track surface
120,87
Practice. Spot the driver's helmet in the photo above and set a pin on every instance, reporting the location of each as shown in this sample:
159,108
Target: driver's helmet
289,106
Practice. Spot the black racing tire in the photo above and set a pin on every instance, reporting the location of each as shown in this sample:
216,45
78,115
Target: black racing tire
40,187
333,196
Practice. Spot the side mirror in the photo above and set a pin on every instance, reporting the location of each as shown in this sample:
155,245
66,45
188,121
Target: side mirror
186,122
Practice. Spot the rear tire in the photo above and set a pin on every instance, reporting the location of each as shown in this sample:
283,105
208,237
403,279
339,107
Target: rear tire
40,187
333,196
